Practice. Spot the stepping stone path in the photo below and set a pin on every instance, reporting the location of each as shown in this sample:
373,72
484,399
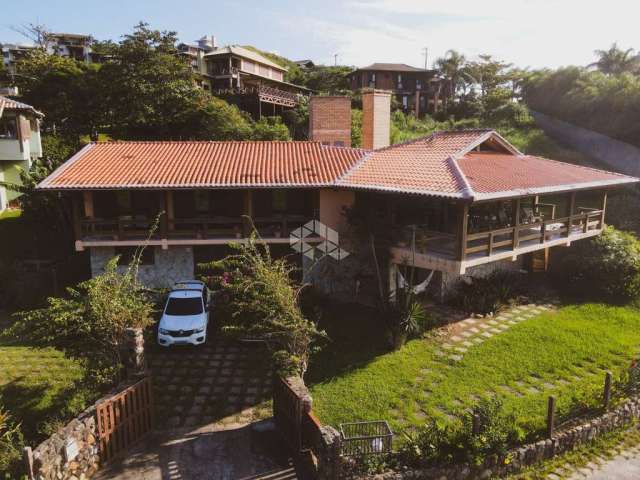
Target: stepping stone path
474,331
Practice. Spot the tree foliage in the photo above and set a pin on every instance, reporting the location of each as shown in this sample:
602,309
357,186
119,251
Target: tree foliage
143,90
89,323
11,442
605,268
258,299
609,104
615,61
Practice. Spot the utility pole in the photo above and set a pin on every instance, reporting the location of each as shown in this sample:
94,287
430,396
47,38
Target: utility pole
425,52
335,59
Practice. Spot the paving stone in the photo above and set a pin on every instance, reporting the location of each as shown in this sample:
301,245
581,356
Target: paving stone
495,330
492,322
487,334
455,358
466,334
456,338
474,330
447,346
503,327
467,344
477,340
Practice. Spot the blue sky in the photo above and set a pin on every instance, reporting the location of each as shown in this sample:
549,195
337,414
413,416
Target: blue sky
534,33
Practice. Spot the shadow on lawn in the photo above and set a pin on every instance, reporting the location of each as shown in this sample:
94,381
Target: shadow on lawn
41,407
356,336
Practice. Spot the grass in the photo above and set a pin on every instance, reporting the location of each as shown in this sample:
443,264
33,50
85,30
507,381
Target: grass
10,214
563,353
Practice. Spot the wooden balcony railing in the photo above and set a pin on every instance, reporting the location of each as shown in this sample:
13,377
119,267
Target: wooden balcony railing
508,239
512,238
124,228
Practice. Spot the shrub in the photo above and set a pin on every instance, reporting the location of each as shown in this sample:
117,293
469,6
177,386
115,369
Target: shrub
484,295
497,431
89,323
261,302
433,444
604,268
11,443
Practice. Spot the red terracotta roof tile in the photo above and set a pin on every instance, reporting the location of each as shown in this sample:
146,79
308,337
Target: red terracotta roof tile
490,174
10,104
202,164
445,164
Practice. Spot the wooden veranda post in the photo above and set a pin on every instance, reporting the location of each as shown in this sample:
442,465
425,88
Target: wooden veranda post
516,222
572,208
551,416
604,207
75,212
248,211
170,210
462,229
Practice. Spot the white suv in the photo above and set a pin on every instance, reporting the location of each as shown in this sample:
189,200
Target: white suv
185,316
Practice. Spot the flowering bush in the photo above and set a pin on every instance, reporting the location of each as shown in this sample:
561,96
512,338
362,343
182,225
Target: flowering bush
256,298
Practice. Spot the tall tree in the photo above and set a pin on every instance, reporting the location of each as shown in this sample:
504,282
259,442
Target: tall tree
615,61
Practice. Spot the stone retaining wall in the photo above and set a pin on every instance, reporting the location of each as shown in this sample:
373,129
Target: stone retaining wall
529,454
70,453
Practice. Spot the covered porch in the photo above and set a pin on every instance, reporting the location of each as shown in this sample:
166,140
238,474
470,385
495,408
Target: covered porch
458,235
206,216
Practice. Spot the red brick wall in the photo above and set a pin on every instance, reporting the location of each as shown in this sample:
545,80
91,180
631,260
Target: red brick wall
330,120
376,118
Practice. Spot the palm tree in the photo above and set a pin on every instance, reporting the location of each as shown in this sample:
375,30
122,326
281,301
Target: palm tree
615,61
453,66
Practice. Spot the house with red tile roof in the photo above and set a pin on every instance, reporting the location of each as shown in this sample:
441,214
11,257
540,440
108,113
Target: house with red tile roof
19,144
458,203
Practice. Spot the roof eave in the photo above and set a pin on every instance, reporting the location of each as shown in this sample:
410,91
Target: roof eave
525,192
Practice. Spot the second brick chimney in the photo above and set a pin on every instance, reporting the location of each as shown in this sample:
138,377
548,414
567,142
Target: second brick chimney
330,120
376,118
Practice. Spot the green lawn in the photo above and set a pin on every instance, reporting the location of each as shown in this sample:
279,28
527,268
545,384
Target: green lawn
40,388
10,214
564,353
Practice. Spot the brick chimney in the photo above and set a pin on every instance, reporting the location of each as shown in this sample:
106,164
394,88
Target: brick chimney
376,118
330,120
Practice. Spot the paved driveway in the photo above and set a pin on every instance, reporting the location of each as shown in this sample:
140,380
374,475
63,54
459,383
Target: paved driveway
217,383
250,452
212,403
625,466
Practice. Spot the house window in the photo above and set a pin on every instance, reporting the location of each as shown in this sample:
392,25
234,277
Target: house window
372,79
338,143
126,255
399,82
8,128
418,85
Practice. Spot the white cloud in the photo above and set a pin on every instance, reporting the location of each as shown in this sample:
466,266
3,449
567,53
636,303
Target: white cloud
533,33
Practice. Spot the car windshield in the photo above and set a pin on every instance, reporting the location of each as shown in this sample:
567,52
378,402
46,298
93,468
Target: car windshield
184,306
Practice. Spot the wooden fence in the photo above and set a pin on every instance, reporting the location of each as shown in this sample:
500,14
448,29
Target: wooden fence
124,418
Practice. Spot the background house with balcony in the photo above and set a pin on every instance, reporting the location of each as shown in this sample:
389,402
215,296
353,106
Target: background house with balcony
455,203
72,45
19,144
416,90
242,76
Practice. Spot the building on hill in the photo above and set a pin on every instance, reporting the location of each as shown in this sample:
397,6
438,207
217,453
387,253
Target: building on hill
417,91
12,52
242,76
71,45
456,203
19,144
305,64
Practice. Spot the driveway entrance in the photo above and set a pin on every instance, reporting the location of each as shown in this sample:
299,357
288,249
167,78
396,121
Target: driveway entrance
213,405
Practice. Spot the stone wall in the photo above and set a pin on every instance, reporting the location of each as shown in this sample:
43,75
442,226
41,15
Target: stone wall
532,453
171,265
619,156
449,280
70,453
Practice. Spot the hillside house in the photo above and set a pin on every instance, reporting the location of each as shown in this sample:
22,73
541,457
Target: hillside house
242,76
458,203
416,90
19,144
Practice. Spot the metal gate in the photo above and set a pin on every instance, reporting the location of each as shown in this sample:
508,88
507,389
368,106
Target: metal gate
124,418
